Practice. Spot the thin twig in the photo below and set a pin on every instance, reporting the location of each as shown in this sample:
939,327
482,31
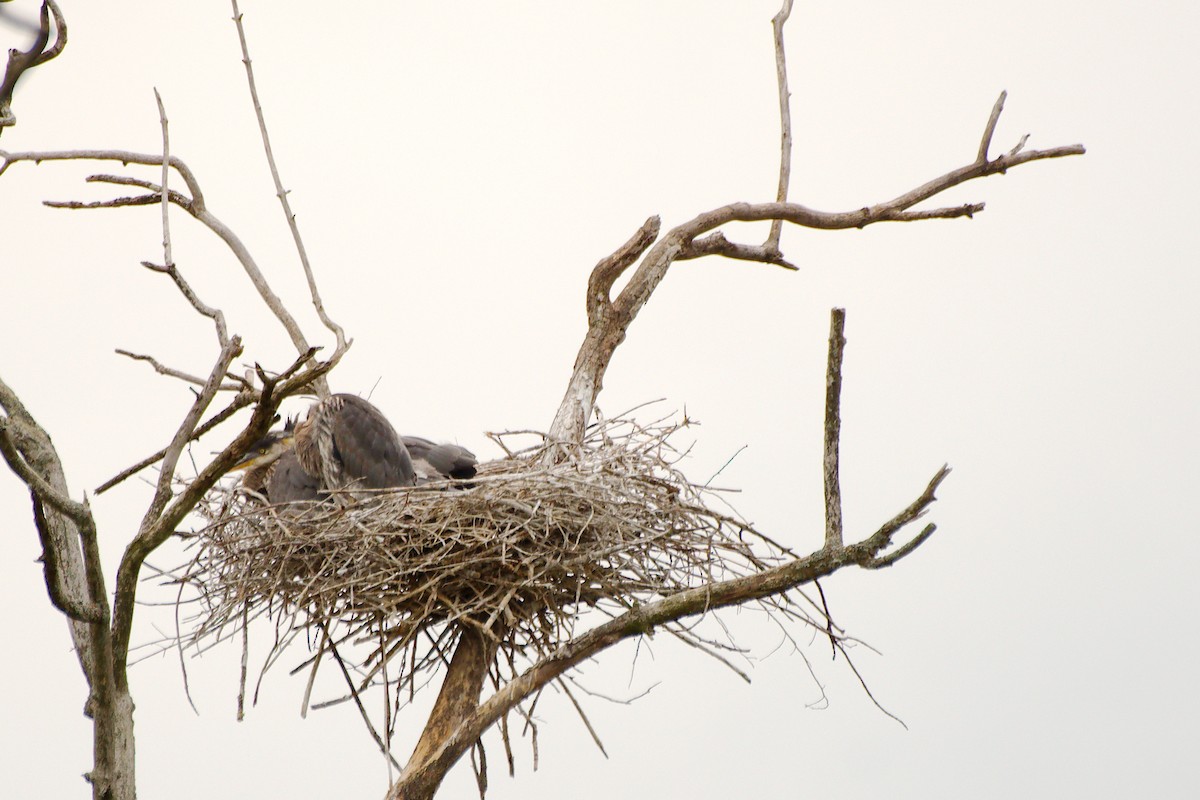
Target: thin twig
241,401
171,372
321,385
989,130
39,52
582,715
715,244
168,261
785,123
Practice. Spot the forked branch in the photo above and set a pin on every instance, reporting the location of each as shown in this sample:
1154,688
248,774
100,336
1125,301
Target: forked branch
194,205
318,304
41,51
609,318
427,767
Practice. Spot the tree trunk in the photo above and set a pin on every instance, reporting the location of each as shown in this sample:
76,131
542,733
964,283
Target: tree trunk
113,777
458,698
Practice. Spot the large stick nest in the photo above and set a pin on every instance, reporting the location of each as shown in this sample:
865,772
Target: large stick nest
538,537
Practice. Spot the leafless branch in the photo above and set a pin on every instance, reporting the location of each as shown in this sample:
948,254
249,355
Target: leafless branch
241,401
609,319
21,442
587,723
116,202
170,372
318,304
168,262
422,773
171,270
75,580
41,51
989,130
197,207
605,273
362,711
833,428
10,430
868,553
785,123
715,244
891,558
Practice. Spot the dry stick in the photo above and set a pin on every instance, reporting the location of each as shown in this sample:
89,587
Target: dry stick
168,262
170,372
239,402
358,703
243,672
989,130
197,207
322,385
312,674
387,708
38,53
785,122
187,688
833,428
215,314
425,773
579,710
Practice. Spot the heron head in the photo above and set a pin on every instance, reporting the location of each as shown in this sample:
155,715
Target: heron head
267,449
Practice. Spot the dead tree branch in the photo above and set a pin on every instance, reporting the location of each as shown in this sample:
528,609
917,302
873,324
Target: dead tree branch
41,51
194,205
426,770
833,428
457,728
75,581
609,319
771,246
318,304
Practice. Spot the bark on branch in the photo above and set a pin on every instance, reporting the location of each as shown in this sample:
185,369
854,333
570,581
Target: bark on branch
609,318
460,722
194,205
41,51
421,778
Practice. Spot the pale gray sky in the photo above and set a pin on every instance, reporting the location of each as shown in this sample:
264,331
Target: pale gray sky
458,168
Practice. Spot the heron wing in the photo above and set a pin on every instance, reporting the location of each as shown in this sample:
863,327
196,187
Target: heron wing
448,460
369,447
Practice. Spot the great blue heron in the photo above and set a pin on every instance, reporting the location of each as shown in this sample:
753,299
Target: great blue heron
348,443
345,442
273,471
432,461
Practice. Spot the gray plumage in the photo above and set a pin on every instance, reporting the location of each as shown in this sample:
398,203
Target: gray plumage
289,482
347,442
274,473
432,461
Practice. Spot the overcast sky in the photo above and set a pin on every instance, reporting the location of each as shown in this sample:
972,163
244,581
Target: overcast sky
457,169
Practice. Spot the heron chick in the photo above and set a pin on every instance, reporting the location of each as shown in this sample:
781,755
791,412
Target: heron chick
273,471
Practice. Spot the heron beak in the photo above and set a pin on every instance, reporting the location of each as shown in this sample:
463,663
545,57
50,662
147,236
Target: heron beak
264,452
249,460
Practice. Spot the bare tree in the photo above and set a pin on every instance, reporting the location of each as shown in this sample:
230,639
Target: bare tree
482,622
